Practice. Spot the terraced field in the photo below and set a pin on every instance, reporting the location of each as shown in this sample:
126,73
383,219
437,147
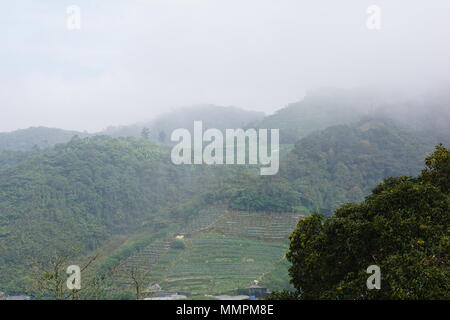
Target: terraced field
213,263
205,219
260,225
224,250
148,259
142,262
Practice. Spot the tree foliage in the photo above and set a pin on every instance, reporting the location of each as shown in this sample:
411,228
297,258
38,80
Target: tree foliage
403,227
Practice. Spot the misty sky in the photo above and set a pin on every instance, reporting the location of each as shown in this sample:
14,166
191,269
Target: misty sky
133,59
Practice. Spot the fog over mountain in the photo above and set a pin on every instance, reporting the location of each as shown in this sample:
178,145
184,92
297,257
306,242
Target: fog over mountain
133,60
124,176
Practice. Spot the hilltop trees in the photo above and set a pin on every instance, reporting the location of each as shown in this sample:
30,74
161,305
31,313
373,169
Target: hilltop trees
403,227
437,171
145,133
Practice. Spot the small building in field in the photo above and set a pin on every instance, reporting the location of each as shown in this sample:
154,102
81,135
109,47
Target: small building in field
152,290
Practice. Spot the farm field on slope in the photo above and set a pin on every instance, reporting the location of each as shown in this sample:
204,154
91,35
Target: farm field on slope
222,254
213,263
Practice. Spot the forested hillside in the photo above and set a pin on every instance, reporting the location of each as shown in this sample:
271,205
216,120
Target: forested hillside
339,164
344,163
80,193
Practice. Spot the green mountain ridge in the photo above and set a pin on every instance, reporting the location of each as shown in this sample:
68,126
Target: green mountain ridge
36,137
159,129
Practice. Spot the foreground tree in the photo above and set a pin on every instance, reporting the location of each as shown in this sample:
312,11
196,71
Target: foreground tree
138,278
50,278
403,227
